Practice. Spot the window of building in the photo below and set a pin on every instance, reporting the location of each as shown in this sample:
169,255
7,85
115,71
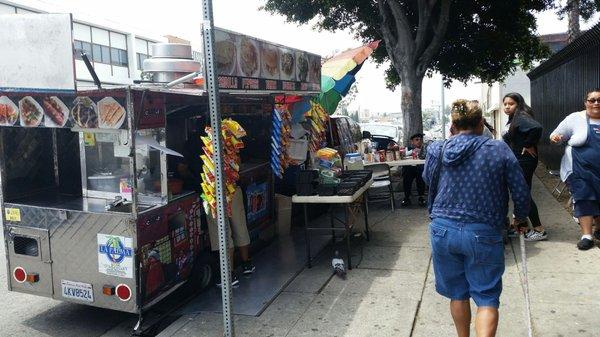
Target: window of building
143,50
118,57
86,47
101,45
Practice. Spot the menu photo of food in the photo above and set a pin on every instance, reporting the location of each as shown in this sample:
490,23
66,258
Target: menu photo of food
301,66
111,113
314,69
225,51
56,112
287,59
31,112
248,57
84,113
9,113
270,61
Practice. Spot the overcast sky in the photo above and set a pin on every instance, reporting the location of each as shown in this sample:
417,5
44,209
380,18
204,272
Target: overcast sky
183,17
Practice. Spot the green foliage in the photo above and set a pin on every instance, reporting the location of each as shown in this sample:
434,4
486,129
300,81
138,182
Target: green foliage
587,8
483,38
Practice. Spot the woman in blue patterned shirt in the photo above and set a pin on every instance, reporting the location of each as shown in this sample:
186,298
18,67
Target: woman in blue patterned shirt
469,178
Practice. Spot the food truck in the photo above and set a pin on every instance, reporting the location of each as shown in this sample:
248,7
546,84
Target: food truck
91,212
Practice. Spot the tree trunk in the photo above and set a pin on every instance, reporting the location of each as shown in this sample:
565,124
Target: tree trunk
412,118
574,30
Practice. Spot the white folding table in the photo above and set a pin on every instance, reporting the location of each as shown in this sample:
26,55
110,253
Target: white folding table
345,201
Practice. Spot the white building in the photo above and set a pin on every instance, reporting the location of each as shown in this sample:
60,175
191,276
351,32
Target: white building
116,52
491,96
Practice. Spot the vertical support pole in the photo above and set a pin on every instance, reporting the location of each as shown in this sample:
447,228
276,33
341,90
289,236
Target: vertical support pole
442,107
212,87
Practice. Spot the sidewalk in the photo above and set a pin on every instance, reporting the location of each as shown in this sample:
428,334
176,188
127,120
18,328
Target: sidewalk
391,292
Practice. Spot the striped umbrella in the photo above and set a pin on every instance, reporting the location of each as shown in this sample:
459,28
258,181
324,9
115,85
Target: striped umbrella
337,74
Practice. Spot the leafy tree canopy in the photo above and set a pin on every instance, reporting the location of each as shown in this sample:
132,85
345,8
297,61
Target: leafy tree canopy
587,8
484,39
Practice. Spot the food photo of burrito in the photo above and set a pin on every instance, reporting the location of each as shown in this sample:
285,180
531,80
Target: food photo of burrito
56,112
9,113
31,112
112,114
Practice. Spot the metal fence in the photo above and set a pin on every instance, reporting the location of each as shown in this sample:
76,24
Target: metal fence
559,85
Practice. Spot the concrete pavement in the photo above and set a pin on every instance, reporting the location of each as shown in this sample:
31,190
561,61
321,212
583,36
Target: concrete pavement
391,292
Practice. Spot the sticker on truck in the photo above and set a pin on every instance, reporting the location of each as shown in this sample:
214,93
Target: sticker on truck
115,255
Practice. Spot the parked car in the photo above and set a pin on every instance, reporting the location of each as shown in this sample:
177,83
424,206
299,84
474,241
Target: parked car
383,134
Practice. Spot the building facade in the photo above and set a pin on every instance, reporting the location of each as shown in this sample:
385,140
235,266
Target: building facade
491,95
116,53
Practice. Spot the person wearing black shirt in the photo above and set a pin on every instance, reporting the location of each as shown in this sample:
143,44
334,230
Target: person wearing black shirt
523,135
410,173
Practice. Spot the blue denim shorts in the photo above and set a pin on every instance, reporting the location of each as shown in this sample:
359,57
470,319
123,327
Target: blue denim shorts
586,208
468,261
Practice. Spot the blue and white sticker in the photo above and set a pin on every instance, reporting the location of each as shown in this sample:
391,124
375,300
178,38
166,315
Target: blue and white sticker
115,255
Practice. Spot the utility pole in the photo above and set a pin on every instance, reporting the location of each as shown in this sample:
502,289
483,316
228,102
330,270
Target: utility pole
212,87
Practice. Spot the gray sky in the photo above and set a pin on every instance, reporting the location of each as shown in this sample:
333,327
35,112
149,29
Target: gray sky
182,18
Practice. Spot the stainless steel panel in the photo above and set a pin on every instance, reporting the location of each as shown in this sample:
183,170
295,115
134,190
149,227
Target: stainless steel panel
171,65
75,252
172,50
72,239
40,264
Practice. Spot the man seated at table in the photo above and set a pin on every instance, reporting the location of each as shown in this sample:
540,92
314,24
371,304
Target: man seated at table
410,173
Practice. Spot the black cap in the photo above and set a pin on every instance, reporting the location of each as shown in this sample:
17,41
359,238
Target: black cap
420,135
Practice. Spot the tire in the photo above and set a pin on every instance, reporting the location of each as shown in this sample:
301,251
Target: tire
202,272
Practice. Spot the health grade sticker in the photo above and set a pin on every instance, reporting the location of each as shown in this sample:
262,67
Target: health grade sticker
12,214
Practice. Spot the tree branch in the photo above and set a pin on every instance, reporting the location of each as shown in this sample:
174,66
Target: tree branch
436,42
402,26
424,16
390,40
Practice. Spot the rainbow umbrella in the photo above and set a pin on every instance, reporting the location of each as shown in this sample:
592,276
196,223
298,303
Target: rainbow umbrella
337,74
329,100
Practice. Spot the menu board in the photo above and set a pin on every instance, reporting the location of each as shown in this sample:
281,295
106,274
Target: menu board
63,111
247,63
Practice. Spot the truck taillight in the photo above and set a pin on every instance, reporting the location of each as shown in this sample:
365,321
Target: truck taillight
20,275
33,277
123,292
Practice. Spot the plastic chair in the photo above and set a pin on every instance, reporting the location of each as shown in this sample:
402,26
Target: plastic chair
381,179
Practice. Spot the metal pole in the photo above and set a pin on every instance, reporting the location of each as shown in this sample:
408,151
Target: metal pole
442,104
212,87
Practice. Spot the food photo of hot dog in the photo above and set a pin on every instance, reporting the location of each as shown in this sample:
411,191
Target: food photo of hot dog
56,112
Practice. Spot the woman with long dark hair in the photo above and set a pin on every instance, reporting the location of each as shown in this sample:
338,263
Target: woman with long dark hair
523,135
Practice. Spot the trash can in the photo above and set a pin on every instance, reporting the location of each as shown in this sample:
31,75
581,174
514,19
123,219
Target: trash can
284,214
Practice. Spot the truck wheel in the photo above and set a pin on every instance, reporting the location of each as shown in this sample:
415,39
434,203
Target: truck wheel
201,273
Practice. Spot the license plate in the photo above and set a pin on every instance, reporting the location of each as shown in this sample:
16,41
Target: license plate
77,291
